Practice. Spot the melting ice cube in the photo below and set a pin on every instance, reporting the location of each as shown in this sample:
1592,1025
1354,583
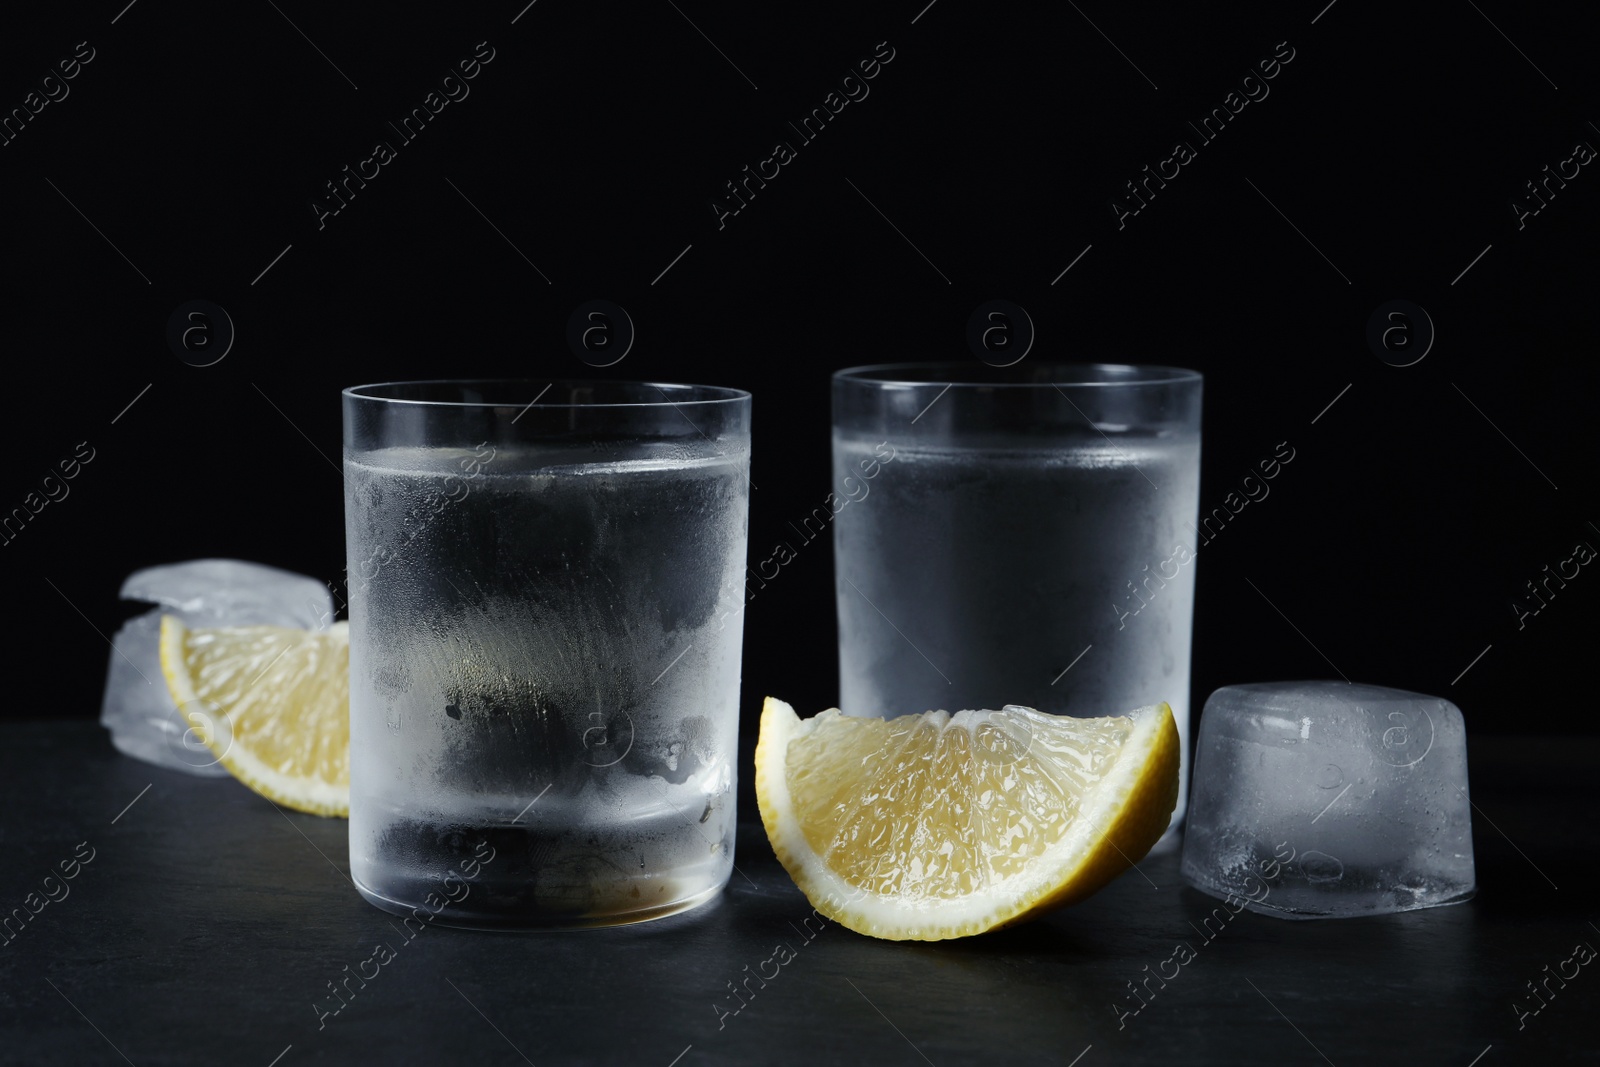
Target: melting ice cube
203,592
1326,800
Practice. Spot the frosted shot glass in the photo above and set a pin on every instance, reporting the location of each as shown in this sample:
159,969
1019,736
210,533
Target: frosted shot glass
545,591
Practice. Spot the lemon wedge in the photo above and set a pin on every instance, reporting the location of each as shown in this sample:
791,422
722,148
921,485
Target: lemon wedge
273,704
933,826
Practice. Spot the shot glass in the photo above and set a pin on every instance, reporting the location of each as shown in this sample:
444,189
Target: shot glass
1017,535
545,591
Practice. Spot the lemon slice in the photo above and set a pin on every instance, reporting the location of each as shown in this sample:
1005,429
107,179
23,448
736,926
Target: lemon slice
933,826
273,704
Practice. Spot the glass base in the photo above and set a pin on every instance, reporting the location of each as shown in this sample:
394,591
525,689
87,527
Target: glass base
467,918
1311,903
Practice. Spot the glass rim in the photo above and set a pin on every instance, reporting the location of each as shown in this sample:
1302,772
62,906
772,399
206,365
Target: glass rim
706,394
882,375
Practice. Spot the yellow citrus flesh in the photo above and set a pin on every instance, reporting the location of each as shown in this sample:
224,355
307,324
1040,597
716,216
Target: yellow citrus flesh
273,704
933,826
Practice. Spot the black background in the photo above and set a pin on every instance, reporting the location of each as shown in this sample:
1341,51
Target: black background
591,146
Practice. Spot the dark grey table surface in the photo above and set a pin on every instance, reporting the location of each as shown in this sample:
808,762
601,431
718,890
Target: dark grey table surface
204,926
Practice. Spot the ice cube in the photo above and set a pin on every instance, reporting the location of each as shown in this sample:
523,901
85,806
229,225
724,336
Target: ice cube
1330,800
137,710
232,592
